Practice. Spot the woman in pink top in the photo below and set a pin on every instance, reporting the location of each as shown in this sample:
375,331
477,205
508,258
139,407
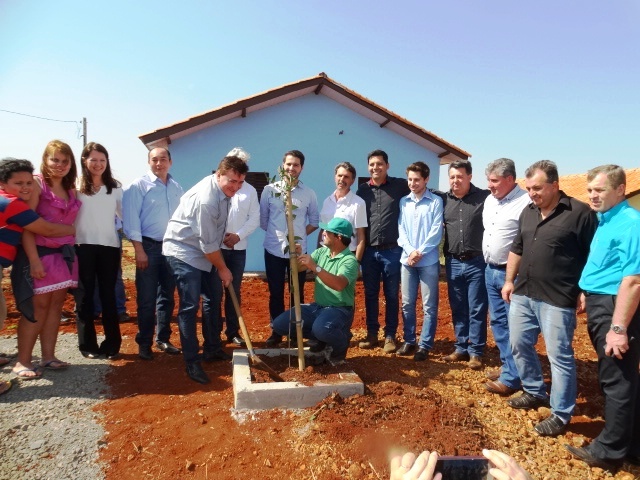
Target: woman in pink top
53,266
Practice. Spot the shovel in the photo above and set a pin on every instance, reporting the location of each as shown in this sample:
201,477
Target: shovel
255,360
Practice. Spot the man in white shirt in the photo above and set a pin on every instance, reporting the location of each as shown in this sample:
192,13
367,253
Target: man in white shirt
343,203
500,218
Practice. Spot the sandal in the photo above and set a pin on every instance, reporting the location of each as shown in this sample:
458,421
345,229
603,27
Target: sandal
22,373
5,386
54,364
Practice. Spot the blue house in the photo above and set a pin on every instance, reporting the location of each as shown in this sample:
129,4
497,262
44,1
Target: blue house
325,120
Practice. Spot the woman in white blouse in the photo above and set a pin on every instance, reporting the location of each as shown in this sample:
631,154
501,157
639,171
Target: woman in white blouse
98,250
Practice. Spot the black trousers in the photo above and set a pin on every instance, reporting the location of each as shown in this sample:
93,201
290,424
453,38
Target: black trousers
101,262
619,381
277,271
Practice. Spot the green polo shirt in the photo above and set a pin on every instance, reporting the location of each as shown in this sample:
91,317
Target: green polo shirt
345,264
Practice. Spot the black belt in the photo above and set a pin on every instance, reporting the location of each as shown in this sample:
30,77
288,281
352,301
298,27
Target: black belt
499,267
463,257
149,239
384,246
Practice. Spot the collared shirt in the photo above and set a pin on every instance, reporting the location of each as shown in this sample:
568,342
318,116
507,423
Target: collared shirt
420,227
345,264
244,215
500,220
463,228
273,219
615,250
350,207
198,224
383,209
553,251
147,206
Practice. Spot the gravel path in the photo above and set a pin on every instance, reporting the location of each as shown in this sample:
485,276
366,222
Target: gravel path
48,429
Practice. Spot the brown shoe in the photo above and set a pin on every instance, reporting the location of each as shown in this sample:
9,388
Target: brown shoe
493,375
475,362
370,341
456,357
499,388
389,345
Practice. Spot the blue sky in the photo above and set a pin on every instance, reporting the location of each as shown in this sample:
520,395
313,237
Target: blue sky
524,80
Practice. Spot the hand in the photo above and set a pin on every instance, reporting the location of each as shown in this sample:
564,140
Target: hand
37,270
408,467
230,239
507,290
306,261
414,258
616,344
226,277
581,305
506,468
142,261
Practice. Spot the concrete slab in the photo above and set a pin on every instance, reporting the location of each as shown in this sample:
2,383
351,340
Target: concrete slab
265,396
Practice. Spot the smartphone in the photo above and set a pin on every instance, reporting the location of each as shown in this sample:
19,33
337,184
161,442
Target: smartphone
464,468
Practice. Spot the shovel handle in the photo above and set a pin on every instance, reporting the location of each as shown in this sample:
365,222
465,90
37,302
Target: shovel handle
243,327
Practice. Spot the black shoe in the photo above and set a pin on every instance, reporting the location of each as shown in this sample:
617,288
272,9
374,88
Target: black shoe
166,347
274,340
317,346
528,401
144,352
196,373
586,456
421,354
406,349
237,340
91,355
218,354
551,426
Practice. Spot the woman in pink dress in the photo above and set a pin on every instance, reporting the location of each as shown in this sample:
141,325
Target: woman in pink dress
52,261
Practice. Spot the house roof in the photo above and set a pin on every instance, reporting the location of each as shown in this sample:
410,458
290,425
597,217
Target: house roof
576,185
321,84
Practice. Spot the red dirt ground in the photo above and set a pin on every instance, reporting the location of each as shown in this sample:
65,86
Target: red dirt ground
162,425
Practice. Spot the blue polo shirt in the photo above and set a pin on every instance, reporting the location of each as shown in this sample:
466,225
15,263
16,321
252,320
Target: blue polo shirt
615,250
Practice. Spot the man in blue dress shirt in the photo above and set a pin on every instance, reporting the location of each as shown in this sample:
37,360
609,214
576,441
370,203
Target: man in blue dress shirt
147,206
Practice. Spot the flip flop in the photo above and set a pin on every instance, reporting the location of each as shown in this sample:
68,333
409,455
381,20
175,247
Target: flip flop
4,361
20,374
55,365
5,386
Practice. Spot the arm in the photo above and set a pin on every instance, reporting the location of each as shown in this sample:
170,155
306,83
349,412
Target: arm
264,208
513,264
626,306
313,214
252,221
48,229
217,261
360,239
29,240
435,231
403,237
131,208
335,282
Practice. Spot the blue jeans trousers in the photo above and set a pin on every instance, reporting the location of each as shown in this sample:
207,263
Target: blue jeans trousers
331,325
381,265
527,319
499,315
469,304
155,288
427,279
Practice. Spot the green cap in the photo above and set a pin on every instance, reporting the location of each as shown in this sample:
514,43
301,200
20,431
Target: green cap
339,226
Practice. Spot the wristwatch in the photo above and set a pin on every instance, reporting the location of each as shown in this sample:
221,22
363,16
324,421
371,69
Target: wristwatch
619,329
318,268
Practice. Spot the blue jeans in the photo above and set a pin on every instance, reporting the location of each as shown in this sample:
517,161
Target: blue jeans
277,271
527,319
381,265
499,315
331,325
427,278
191,283
469,304
155,287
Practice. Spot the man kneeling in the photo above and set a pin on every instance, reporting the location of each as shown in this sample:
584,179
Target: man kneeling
327,321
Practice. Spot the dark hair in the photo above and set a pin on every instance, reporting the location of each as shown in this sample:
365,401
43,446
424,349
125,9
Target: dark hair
503,167
346,241
53,147
86,181
233,163
421,168
163,148
615,175
466,164
547,167
10,165
347,166
294,153
379,153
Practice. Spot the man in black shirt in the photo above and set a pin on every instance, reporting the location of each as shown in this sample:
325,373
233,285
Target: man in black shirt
463,205
547,255
381,259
